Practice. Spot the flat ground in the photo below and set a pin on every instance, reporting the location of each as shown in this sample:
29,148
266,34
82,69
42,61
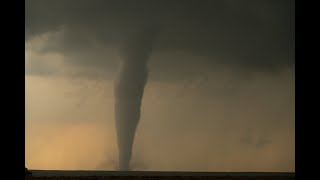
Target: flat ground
152,175
158,177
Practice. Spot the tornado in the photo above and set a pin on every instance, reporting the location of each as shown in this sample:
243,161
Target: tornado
129,87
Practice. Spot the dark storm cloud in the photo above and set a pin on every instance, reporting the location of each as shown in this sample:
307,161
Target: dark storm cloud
250,34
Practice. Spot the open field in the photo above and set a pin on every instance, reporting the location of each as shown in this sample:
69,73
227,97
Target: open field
153,175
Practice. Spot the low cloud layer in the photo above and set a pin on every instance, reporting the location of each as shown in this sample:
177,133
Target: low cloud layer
250,35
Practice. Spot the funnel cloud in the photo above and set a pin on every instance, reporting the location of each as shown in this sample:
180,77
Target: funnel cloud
129,87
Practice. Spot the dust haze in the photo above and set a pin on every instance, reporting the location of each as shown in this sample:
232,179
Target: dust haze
250,128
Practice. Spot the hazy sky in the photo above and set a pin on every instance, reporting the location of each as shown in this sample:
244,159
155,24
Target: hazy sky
220,95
